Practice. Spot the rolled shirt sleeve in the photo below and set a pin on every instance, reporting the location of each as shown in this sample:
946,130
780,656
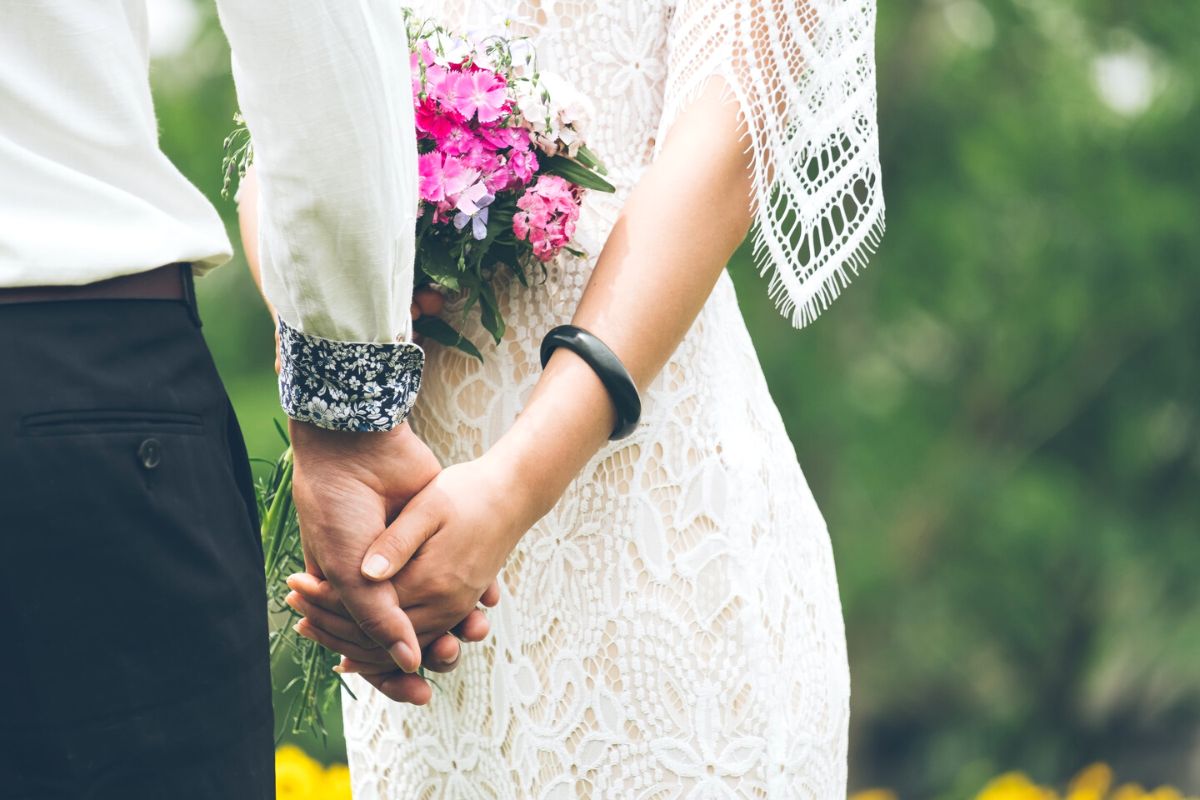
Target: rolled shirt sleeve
325,88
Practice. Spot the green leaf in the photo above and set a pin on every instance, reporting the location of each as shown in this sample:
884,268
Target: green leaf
439,330
489,312
589,159
578,174
439,265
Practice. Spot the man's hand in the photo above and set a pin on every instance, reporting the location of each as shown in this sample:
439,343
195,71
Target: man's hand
347,487
326,621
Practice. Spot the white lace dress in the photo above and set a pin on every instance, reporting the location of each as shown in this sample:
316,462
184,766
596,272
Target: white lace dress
672,628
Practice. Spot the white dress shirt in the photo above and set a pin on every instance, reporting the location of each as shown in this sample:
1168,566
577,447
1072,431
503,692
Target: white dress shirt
86,193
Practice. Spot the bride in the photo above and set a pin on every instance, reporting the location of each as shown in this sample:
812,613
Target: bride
669,624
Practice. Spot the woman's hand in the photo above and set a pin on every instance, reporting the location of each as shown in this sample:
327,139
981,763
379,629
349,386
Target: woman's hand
442,555
450,541
443,552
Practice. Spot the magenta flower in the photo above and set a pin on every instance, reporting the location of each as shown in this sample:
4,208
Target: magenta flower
443,178
522,164
479,93
432,179
482,158
458,140
501,138
432,119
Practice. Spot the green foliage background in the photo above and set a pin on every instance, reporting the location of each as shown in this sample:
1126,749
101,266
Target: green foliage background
999,418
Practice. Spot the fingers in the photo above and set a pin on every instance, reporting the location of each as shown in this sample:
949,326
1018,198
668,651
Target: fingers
491,595
429,302
318,592
375,608
318,600
402,688
396,545
340,626
442,654
377,656
398,686
475,628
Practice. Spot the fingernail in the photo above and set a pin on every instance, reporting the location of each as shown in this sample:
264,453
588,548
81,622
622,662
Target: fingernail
296,628
402,655
376,566
339,669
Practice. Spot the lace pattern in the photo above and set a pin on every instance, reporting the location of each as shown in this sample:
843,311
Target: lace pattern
672,629
803,74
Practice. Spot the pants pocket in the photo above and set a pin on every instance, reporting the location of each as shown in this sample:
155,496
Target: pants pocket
136,582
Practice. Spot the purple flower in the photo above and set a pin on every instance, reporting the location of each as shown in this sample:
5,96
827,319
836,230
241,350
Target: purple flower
473,208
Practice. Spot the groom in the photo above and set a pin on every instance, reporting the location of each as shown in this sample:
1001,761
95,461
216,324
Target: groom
134,657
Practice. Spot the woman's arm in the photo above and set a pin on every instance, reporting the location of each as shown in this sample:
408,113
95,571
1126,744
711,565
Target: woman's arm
682,223
673,238
247,208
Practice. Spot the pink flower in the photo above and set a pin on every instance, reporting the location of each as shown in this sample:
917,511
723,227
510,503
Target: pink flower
547,215
500,138
432,119
458,140
521,165
479,93
443,178
481,158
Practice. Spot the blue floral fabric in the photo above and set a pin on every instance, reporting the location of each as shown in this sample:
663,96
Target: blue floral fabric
347,386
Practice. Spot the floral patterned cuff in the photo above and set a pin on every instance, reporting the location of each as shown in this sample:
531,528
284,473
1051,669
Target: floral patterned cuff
347,386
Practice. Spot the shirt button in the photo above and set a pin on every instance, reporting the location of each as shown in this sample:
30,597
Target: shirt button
150,452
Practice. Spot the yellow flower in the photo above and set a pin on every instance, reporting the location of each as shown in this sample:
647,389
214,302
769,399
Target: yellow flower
1129,791
1092,783
1165,793
296,774
1014,786
874,794
335,784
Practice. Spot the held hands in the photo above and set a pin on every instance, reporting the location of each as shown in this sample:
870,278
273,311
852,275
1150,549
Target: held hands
438,559
346,488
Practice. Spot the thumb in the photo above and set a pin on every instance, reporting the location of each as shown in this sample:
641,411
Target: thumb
399,541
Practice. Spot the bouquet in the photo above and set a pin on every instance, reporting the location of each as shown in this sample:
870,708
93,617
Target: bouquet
503,168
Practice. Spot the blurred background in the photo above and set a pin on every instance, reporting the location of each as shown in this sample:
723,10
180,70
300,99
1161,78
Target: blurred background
999,419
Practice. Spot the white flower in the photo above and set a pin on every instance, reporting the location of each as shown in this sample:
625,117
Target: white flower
573,110
556,113
522,53
531,100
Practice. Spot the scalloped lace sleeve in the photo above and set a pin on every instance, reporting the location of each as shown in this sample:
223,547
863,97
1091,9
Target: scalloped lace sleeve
803,72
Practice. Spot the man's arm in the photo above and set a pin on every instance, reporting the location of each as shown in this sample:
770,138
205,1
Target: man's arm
326,92
325,89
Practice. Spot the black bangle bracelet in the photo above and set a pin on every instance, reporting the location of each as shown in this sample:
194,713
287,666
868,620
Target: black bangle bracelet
608,368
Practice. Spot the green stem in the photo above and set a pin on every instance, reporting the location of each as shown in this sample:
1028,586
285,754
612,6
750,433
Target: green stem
274,525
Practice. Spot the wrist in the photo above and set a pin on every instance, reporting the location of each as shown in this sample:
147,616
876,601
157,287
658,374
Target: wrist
353,451
518,492
302,432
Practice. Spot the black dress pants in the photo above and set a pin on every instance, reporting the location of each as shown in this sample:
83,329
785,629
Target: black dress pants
133,629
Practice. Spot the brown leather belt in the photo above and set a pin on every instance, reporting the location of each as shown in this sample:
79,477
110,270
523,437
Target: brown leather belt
172,282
